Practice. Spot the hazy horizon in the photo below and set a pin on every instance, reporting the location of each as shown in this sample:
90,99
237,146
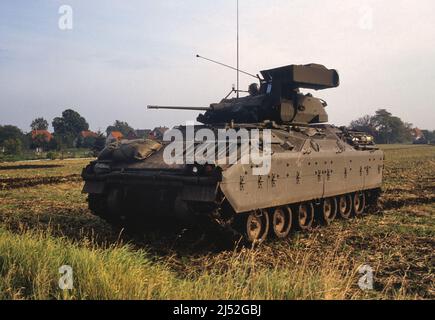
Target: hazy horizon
121,56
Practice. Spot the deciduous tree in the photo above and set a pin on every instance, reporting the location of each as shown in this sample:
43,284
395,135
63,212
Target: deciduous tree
69,126
39,124
120,126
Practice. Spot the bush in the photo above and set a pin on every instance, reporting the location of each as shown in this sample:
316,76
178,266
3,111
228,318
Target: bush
51,155
12,146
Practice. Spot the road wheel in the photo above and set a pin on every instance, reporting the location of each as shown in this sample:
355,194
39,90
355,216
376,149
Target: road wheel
359,203
257,226
305,216
328,211
345,206
282,218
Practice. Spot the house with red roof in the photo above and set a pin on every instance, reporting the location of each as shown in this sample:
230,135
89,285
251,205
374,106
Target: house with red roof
84,139
40,139
114,136
418,136
88,134
41,135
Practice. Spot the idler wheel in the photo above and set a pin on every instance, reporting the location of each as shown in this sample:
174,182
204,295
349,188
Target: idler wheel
328,211
305,216
345,206
282,218
359,203
257,226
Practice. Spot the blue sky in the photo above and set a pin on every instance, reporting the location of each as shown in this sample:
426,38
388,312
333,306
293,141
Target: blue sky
122,55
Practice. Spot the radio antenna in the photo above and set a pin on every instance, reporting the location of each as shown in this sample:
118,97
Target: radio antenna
238,49
227,66
237,68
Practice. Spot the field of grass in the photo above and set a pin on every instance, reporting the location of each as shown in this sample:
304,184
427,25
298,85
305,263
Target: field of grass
41,168
41,172
30,155
46,224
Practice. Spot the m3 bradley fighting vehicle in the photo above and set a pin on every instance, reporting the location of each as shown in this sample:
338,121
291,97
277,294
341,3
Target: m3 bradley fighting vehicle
318,172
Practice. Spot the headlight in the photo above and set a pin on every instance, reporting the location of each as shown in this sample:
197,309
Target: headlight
206,170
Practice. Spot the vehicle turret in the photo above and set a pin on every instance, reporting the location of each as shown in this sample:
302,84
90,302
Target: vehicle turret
277,98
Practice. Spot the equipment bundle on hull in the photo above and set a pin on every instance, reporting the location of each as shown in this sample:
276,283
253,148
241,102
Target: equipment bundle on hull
317,171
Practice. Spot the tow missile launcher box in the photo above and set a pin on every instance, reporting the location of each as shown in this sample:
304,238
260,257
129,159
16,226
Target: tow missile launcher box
310,76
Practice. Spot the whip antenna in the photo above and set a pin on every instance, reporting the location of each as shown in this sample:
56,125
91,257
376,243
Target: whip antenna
228,66
238,49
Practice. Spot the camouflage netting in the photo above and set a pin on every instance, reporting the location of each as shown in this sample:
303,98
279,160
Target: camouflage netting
129,151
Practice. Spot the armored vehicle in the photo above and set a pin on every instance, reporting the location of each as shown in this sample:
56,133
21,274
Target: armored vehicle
317,172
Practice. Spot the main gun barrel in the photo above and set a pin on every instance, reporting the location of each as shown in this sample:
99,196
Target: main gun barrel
179,108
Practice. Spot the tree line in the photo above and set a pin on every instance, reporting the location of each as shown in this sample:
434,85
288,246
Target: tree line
66,134
389,129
